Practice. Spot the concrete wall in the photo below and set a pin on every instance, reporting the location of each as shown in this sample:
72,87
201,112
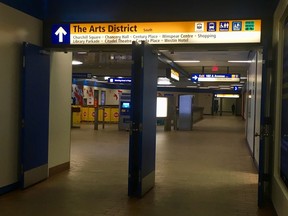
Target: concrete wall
60,108
16,27
279,190
227,104
204,100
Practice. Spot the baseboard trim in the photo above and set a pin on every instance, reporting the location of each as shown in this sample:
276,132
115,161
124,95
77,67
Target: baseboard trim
59,168
9,188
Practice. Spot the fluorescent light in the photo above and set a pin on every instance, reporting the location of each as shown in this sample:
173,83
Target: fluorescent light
163,81
240,61
227,95
186,61
168,86
75,62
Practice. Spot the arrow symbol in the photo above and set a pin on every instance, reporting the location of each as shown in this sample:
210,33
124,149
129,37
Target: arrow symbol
195,77
60,32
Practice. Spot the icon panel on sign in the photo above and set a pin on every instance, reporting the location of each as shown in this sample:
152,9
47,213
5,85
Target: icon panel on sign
236,26
199,26
249,26
211,26
224,26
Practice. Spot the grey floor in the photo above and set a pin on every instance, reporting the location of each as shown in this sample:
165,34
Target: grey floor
204,172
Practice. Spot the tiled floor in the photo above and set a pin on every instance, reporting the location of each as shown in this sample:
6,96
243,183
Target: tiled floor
204,172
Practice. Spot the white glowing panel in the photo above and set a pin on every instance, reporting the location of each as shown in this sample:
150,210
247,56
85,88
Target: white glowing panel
162,107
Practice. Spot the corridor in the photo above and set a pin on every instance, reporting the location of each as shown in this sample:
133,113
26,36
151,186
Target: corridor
204,172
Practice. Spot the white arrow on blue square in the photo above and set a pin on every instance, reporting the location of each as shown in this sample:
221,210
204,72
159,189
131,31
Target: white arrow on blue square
60,34
195,77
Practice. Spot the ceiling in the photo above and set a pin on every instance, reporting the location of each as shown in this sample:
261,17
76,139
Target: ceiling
114,63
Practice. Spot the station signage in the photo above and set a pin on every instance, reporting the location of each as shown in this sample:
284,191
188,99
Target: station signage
200,32
172,74
119,80
215,77
81,75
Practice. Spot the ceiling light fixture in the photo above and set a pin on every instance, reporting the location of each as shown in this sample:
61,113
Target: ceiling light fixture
186,61
163,81
75,62
240,61
227,95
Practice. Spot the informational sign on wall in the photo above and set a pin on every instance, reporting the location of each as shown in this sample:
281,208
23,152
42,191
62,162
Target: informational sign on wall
201,32
215,77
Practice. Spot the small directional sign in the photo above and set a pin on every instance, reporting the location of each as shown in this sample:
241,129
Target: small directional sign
195,77
61,34
215,78
119,80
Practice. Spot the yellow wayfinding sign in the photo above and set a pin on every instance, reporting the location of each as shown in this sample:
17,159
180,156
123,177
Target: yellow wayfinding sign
200,32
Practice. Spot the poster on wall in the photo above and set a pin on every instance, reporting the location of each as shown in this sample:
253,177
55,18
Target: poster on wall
77,94
88,94
284,115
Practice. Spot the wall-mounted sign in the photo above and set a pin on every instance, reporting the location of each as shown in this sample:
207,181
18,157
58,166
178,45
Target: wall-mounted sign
205,32
82,75
215,77
172,74
119,80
